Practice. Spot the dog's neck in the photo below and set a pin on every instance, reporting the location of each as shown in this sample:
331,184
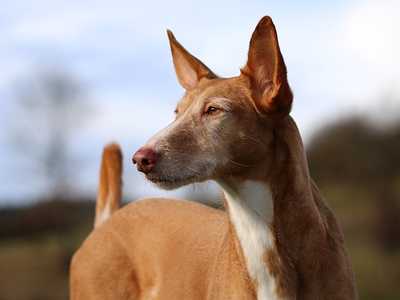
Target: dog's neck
295,209
260,207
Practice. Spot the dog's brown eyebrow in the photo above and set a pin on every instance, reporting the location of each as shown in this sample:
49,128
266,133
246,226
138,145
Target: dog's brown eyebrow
224,102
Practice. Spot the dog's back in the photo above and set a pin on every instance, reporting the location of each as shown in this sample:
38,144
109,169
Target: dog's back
121,258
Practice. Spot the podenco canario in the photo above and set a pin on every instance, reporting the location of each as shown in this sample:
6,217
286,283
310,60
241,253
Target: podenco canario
276,239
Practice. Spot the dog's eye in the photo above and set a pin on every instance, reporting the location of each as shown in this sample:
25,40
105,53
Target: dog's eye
211,110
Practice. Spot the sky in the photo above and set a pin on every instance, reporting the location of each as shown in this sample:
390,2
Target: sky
342,58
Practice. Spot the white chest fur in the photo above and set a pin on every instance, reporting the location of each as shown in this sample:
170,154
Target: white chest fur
251,210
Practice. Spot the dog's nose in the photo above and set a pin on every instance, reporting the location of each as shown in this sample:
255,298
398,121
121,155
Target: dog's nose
145,159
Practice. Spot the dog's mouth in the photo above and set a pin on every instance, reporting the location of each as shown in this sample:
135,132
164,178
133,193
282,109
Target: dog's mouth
170,183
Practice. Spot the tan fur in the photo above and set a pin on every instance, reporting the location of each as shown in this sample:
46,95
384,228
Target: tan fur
110,184
198,258
170,249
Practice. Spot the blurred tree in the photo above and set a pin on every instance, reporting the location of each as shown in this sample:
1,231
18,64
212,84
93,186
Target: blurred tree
354,153
50,108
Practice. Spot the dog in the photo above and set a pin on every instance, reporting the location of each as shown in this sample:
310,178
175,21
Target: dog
276,238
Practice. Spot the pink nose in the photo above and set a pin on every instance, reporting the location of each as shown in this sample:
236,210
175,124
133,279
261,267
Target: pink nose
145,159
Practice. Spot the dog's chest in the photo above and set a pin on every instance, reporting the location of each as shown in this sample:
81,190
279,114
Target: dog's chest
251,211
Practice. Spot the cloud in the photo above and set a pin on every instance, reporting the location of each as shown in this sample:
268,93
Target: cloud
373,39
125,117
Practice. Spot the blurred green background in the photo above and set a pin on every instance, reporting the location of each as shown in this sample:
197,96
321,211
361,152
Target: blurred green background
76,75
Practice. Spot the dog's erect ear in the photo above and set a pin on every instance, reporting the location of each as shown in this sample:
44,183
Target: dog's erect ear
188,68
267,71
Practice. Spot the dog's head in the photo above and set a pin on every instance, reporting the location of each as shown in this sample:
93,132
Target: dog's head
223,126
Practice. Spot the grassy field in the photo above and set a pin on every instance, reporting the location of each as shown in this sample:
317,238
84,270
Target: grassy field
35,259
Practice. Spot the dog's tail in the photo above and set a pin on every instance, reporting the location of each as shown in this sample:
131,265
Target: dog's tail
110,184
